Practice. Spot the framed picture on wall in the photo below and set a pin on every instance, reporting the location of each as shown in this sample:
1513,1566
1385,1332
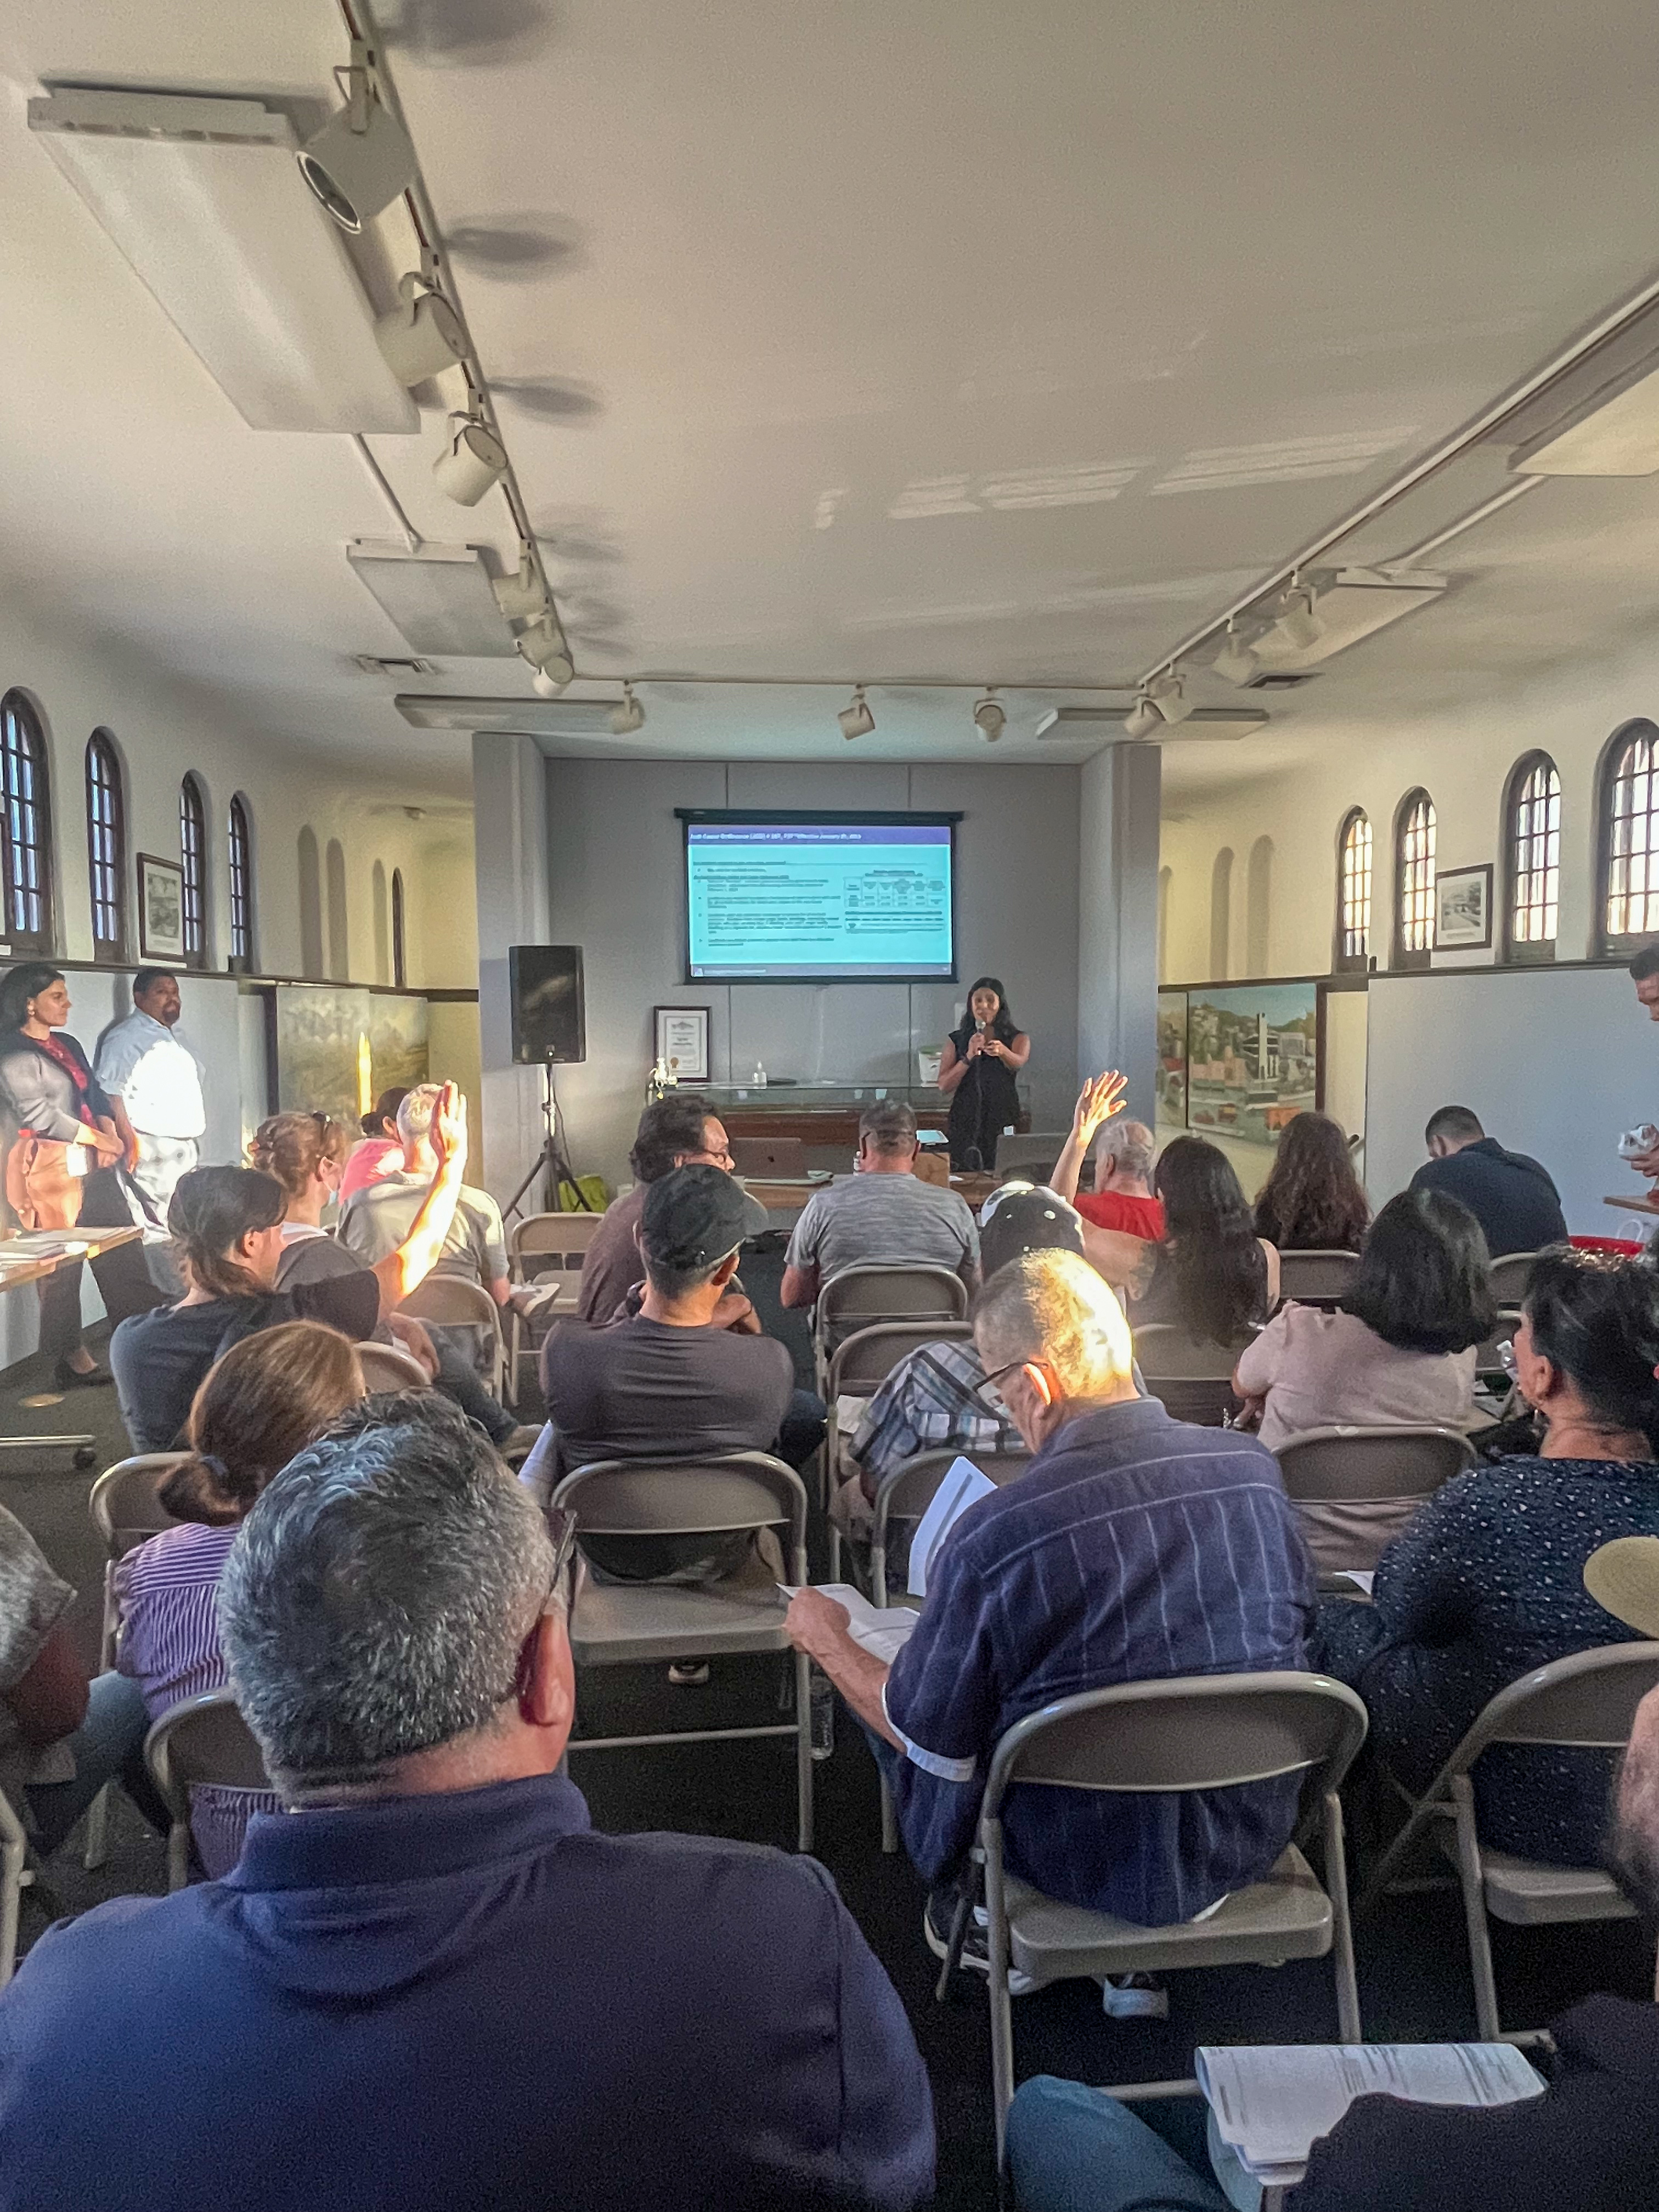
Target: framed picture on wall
1463,909
161,908
682,1042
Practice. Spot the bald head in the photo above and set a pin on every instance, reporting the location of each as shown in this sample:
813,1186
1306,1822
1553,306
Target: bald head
1125,1158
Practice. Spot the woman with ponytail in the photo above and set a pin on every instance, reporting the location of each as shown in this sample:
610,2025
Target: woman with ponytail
263,1403
1488,1580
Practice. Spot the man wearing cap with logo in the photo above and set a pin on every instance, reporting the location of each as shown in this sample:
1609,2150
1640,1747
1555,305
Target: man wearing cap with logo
689,1373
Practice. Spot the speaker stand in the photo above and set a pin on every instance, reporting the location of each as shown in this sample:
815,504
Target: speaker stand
552,1159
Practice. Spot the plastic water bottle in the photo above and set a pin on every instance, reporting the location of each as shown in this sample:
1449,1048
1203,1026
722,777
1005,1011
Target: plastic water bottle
824,1715
758,1078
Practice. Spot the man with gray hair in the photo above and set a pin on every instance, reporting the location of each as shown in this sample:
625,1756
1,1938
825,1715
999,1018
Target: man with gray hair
427,1983
1122,1196
1134,1546
885,1215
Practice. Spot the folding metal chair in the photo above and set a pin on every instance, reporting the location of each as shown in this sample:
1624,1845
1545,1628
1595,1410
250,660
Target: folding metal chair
618,1624
855,1297
452,1302
1316,1278
546,1246
1586,1701
1377,1475
1192,1732
1510,1273
389,1367
1194,1381
859,1366
125,1512
15,1876
202,1739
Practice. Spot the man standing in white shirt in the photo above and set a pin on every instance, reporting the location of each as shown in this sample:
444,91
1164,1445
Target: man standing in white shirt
148,1065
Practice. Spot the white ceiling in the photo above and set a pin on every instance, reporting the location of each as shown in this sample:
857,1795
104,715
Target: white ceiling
950,341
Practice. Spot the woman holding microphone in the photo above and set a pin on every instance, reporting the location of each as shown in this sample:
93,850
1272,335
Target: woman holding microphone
976,1073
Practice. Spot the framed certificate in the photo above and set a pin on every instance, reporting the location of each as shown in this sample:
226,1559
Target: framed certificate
682,1042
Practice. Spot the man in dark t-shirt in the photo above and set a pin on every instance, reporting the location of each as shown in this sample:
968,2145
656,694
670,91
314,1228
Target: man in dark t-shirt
1512,1197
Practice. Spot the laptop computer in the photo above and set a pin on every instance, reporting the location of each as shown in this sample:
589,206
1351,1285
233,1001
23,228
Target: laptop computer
769,1159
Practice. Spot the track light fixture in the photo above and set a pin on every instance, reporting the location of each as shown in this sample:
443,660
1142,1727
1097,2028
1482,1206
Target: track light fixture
1298,626
630,716
474,459
548,683
1143,719
989,717
361,160
523,597
856,721
420,337
1236,663
544,646
1168,693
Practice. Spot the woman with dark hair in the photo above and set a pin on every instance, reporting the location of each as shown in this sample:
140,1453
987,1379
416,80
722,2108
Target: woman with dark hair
1487,1582
226,1229
1312,1200
258,1408
1399,1351
976,1073
1211,1275
69,1134
381,1151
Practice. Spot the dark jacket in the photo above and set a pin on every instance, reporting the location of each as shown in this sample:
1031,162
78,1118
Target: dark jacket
465,2000
1512,1197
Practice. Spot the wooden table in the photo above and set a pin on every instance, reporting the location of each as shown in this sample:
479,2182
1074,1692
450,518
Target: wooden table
90,1244
1634,1206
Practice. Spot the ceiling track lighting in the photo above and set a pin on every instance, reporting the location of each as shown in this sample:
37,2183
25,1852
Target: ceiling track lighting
856,721
630,716
362,160
420,337
1143,719
1298,626
523,597
544,646
475,459
1236,663
989,717
1168,695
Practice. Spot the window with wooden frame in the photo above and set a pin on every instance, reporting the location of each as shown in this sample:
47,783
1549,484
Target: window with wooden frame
107,848
25,827
239,869
1629,845
1413,881
192,859
1531,858
1353,891
399,961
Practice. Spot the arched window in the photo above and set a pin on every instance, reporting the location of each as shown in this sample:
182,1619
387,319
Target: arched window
381,928
25,827
1258,910
1630,837
339,923
1413,881
1221,915
107,848
192,858
239,862
399,961
1353,891
1532,856
311,906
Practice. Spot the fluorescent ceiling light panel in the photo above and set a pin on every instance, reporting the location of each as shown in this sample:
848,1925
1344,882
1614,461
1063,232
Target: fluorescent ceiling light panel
529,718
205,199
1288,460
1613,432
440,597
1357,603
1216,724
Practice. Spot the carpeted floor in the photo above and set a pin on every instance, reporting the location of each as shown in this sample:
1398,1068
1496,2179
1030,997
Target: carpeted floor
1412,1970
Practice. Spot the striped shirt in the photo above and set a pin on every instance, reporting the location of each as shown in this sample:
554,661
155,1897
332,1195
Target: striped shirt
934,1397
167,1592
1134,1548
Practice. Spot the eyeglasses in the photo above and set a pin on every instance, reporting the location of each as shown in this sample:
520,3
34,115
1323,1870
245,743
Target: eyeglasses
566,1563
996,1373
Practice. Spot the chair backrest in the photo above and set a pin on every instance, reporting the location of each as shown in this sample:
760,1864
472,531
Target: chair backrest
1588,1700
907,1491
862,1361
389,1367
552,1243
453,1302
769,1158
1193,1381
718,1493
1312,1277
124,1505
1510,1273
1488,1359
202,1739
866,1293
1367,1464
1190,1732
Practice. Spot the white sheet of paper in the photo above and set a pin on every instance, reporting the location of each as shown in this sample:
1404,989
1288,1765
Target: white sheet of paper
880,1630
963,1485
1361,1578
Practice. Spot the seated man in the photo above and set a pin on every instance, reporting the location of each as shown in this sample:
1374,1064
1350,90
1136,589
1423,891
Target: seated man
674,1132
885,1216
1122,1196
1133,1547
429,1983
1511,1196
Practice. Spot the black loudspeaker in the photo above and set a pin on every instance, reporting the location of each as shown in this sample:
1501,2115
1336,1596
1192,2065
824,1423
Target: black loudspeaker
549,1011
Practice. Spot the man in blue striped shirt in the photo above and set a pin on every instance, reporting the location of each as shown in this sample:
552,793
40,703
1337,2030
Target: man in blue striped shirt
1134,1547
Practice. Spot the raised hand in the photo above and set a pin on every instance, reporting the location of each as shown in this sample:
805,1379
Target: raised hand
1100,1098
449,1124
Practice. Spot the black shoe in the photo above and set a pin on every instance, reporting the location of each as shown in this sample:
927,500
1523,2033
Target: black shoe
974,1957
70,1378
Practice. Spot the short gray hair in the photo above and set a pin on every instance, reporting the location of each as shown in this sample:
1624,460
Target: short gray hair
889,1125
378,1594
1129,1145
415,1115
1053,1307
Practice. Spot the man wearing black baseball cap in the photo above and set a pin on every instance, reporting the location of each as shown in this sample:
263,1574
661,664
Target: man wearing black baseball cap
689,1374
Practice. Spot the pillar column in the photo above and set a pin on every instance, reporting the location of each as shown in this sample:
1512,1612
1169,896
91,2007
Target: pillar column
1117,919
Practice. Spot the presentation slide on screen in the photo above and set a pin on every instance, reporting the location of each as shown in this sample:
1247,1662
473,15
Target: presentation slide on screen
834,899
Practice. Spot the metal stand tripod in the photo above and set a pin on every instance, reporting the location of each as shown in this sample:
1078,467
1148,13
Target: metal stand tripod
552,1160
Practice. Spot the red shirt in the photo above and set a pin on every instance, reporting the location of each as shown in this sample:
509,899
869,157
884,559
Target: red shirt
1117,1209
375,1157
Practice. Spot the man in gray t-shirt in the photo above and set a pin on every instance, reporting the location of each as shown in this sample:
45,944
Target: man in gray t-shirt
886,1216
379,1217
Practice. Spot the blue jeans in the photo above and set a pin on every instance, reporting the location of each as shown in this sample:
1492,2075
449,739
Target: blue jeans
801,1430
108,1746
1075,2149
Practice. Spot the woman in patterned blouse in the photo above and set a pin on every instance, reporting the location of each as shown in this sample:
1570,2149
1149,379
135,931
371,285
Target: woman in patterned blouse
1487,1582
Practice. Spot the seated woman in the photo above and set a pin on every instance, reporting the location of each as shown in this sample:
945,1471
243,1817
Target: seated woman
1211,1276
1312,1200
379,1152
1487,1582
226,1229
1399,1351
266,1399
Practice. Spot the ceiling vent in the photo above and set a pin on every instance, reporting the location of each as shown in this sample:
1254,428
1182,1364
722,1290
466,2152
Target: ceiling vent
1280,680
372,664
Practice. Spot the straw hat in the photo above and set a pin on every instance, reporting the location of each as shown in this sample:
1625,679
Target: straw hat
1624,1577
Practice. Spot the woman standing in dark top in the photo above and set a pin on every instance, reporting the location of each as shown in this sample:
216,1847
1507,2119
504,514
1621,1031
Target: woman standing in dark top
1488,1581
1312,1200
976,1073
68,1135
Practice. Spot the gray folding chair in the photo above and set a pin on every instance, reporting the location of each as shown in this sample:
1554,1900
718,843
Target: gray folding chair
1510,1273
1191,1732
16,1875
1194,1381
389,1367
1361,1470
859,1366
547,1246
855,1297
202,1739
452,1302
125,1512
1586,1701
618,1624
1316,1278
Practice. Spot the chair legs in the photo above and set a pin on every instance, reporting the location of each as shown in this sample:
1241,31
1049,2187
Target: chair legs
804,1751
1336,1888
1002,2010
96,1852
178,1855
1475,1913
